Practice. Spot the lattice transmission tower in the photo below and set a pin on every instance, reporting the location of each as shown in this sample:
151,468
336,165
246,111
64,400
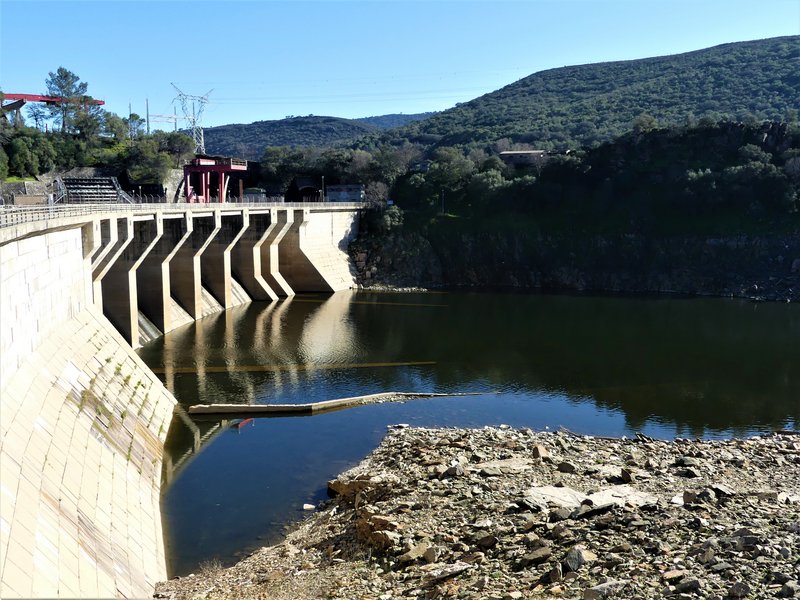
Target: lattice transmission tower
195,116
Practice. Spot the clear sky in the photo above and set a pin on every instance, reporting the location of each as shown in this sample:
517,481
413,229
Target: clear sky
265,59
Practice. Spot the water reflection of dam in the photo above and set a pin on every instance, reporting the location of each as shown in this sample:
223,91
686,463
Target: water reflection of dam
674,362
227,357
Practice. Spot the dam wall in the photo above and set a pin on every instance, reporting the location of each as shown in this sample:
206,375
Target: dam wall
82,431
82,419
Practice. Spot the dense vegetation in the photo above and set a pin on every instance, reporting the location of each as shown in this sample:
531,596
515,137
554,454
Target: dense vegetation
707,209
668,177
394,120
84,135
248,141
453,158
589,104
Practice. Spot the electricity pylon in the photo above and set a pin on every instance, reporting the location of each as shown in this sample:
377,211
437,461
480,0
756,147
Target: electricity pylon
195,117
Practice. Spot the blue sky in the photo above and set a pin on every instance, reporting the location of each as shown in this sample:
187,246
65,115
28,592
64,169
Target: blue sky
268,59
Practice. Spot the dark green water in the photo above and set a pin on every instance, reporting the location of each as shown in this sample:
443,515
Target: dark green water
605,366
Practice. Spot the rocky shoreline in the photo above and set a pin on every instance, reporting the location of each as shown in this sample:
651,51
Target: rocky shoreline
758,268
501,513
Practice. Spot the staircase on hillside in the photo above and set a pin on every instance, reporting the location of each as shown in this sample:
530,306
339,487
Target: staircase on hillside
96,190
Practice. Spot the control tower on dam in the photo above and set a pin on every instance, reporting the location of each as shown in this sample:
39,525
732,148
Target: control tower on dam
82,419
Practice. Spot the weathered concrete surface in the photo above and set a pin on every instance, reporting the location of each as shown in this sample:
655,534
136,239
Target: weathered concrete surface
120,291
82,425
216,259
184,268
246,258
82,434
280,222
153,274
313,254
42,282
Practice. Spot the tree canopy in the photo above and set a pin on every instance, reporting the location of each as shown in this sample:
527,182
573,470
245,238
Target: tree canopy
86,135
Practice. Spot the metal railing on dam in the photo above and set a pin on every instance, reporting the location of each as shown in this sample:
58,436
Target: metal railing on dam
11,215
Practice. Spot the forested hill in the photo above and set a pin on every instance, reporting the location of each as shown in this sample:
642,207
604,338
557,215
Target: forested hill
249,140
589,104
394,120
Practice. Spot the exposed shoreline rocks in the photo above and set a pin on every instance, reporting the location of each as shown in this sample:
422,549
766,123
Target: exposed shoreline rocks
502,513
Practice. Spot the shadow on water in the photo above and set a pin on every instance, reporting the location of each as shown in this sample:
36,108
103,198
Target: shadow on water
606,366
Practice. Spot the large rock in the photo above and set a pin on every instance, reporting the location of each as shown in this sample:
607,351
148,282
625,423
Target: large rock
547,495
623,495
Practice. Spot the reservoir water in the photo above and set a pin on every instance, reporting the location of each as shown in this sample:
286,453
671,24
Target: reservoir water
665,367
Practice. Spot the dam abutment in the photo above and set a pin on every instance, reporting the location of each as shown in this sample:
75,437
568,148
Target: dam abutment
84,419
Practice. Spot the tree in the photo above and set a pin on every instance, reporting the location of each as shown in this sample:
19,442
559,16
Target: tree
39,114
3,165
644,123
68,86
135,126
376,192
180,146
115,126
450,168
23,161
145,164
87,122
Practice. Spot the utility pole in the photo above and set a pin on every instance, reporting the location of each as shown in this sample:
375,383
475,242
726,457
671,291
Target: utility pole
147,113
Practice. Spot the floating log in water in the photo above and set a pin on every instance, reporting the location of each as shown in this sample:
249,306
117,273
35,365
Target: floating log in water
313,408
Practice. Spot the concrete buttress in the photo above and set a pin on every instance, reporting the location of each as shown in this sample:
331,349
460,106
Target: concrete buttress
184,268
120,235
153,275
215,261
120,286
280,223
246,264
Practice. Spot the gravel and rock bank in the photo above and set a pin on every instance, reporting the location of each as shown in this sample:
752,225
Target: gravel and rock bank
501,513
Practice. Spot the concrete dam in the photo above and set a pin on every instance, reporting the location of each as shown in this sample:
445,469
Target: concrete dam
82,419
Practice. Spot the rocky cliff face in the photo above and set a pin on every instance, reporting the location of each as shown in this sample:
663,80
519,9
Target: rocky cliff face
764,267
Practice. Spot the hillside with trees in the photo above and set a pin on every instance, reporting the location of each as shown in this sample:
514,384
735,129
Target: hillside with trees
713,208
249,140
590,104
394,120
